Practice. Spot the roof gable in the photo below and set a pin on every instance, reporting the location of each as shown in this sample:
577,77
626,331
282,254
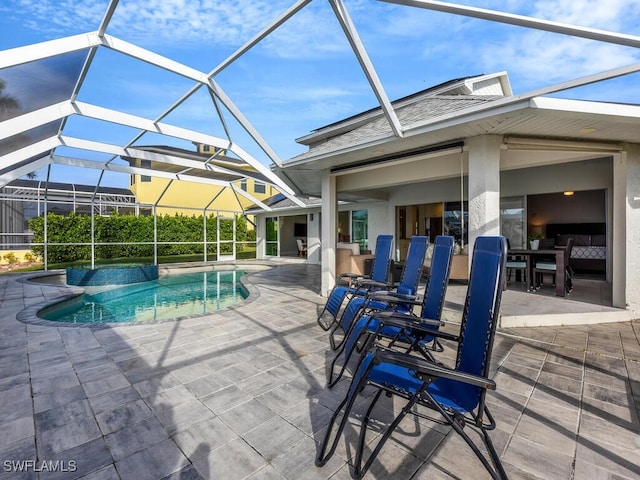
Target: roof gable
490,85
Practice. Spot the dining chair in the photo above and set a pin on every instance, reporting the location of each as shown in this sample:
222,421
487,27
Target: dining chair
302,248
550,267
515,262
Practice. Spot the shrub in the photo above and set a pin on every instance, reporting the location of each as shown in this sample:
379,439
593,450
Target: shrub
10,258
128,232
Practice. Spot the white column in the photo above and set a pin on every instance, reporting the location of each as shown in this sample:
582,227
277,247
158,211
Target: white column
626,229
329,232
261,235
484,186
314,241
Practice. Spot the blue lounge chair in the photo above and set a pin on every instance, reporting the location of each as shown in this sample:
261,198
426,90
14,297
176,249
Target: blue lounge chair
457,394
408,287
431,310
347,285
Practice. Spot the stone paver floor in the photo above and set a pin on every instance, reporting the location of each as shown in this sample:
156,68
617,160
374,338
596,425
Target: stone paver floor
241,394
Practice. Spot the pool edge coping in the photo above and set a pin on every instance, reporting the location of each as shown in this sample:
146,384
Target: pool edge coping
29,315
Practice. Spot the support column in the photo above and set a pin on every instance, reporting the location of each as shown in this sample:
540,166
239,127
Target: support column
484,187
626,229
329,232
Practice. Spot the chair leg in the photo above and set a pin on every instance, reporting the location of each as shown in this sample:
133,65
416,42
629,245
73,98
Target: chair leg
323,455
357,384
347,347
359,469
496,470
349,315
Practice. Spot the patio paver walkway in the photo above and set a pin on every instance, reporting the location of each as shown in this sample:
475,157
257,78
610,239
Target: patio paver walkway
241,394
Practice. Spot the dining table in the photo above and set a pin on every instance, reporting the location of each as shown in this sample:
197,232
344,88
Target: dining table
530,255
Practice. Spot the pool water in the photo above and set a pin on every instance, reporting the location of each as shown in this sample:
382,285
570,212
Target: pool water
169,297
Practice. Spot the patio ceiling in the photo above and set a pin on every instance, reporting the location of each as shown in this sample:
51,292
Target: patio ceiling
37,125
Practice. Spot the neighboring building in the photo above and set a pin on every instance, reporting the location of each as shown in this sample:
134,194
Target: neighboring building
190,198
474,159
22,200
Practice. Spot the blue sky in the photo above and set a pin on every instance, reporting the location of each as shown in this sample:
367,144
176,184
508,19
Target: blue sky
305,76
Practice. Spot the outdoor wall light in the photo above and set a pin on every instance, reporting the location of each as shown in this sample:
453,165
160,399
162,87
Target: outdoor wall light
568,194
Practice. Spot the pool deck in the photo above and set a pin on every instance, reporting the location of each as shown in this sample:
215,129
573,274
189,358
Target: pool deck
241,393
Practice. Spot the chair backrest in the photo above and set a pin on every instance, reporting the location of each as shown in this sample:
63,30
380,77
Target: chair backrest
412,269
436,289
567,251
300,246
382,258
481,312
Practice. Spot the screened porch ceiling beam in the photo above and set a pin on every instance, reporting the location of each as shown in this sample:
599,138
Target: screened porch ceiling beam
19,171
200,77
524,21
250,197
42,50
105,114
359,50
152,58
282,18
143,155
50,48
34,150
62,110
79,162
37,118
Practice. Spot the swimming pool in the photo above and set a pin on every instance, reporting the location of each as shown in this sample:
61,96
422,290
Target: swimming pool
167,298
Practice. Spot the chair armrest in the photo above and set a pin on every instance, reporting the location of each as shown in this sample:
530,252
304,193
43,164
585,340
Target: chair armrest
428,370
393,297
368,283
403,320
417,324
352,276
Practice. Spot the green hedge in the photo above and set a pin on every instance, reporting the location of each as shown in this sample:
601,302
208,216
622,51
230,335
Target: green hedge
75,228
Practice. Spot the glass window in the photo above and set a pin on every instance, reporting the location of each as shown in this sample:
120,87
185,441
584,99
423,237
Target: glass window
259,187
512,221
456,218
360,228
243,184
145,164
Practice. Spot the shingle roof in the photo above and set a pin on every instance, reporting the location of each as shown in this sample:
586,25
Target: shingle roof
425,108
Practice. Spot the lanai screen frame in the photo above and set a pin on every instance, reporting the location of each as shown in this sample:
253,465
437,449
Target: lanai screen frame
43,153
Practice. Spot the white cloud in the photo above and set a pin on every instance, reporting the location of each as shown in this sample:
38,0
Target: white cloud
183,23
607,15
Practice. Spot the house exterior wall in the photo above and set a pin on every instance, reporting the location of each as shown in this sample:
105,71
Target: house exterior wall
503,171
193,197
548,178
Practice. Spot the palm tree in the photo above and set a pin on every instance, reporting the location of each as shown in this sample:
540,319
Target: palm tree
7,103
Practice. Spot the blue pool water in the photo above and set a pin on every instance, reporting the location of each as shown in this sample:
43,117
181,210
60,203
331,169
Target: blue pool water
169,297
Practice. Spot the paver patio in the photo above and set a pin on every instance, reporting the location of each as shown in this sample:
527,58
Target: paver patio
241,394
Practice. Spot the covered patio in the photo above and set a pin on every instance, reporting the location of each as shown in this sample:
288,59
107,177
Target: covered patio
241,394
